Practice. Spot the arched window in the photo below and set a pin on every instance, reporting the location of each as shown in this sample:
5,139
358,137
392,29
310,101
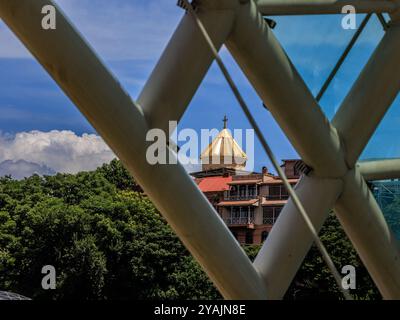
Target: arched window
264,236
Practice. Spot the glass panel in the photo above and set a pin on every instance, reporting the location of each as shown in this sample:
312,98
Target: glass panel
316,46
385,142
387,194
315,56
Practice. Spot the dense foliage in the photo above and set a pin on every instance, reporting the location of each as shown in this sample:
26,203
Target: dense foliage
107,241
315,281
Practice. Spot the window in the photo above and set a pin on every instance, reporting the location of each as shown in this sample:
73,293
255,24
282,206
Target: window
232,193
241,215
270,214
274,192
277,192
284,193
264,236
252,191
242,192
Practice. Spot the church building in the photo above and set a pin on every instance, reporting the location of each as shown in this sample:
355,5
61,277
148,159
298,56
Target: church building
248,202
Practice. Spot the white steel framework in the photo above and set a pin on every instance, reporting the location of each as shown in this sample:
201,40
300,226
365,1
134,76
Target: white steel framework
330,149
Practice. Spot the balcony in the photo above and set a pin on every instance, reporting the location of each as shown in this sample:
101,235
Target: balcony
243,197
269,220
240,222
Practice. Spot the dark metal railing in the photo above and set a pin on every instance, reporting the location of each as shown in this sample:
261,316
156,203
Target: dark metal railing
239,221
240,197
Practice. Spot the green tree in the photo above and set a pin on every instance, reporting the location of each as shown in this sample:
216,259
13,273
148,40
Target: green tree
116,174
314,280
105,241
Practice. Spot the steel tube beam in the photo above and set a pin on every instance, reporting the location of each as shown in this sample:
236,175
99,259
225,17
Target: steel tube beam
380,169
184,64
305,7
283,91
290,239
363,222
371,96
82,76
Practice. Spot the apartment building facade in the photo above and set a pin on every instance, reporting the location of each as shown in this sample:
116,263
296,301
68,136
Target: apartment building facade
248,202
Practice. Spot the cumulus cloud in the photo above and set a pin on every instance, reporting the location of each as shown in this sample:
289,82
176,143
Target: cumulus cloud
45,153
62,151
20,169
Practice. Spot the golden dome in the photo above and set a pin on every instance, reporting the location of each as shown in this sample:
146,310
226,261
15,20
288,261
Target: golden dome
223,152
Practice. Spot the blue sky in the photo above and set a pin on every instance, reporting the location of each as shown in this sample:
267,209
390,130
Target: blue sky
130,36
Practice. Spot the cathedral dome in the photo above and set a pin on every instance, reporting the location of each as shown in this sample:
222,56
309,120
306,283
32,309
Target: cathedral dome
223,152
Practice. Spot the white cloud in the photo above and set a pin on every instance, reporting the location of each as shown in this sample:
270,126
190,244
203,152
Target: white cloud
62,151
21,169
26,153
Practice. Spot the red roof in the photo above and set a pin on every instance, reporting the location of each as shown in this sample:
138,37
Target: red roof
213,184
